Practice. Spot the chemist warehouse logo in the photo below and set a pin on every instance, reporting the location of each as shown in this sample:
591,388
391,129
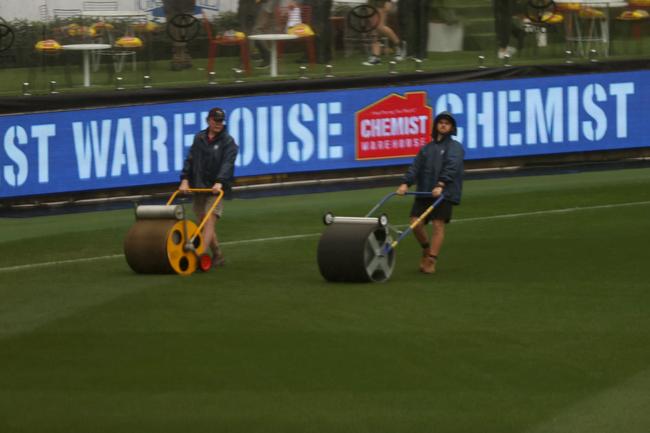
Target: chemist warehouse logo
396,126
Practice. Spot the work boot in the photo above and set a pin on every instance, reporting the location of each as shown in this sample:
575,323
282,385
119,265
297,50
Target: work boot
423,259
372,61
400,52
428,264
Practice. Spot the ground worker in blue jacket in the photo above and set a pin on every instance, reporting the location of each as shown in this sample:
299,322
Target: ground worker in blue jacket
438,169
210,164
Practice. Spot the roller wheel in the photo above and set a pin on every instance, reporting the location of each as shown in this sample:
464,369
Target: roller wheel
160,247
355,253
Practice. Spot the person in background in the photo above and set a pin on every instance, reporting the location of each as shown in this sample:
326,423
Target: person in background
320,23
181,58
246,10
437,169
246,15
414,26
294,14
210,164
504,10
384,7
265,23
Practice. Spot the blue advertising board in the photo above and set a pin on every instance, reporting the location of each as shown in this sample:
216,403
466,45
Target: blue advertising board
103,148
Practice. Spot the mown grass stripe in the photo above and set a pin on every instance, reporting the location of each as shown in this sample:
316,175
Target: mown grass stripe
307,235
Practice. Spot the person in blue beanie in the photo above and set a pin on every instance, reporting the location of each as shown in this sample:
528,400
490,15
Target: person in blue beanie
438,169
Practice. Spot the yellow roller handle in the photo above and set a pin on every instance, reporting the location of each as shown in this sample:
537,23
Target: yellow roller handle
415,223
171,199
207,214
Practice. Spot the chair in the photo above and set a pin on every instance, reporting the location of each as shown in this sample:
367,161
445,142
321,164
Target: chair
99,6
66,13
118,54
586,27
68,26
306,18
43,12
217,41
636,16
54,57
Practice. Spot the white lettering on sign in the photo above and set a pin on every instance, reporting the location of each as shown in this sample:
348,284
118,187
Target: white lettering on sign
301,132
154,140
551,115
182,139
16,174
92,142
393,126
40,157
124,153
42,134
301,150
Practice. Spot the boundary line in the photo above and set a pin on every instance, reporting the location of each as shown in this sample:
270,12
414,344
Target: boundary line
308,235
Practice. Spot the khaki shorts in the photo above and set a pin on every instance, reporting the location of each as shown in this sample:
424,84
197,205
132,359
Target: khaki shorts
203,202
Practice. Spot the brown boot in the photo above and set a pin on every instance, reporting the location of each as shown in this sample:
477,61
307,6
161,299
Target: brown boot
423,259
428,264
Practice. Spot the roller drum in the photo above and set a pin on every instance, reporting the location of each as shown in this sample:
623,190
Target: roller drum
353,252
160,212
158,246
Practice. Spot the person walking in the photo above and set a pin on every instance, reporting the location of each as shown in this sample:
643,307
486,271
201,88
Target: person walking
437,169
246,12
246,15
504,10
320,17
265,22
174,9
414,26
210,164
384,7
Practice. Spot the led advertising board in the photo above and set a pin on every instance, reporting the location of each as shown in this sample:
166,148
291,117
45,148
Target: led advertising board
92,149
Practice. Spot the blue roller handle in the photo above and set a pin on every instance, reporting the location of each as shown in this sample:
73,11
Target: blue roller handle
388,196
430,209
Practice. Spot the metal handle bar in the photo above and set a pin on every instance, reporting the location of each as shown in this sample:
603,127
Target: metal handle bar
207,214
388,196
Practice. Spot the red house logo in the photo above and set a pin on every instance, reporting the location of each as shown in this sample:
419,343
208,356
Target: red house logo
396,126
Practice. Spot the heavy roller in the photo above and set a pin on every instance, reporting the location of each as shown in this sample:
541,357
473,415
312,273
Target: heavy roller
164,241
362,249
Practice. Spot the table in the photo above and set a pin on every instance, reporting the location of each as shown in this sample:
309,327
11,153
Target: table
86,49
273,38
591,37
130,16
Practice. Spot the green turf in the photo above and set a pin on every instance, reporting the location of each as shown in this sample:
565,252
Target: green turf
536,321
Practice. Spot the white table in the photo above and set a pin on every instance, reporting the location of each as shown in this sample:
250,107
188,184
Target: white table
273,38
579,37
86,49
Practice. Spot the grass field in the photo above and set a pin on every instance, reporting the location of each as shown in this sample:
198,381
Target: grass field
536,321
